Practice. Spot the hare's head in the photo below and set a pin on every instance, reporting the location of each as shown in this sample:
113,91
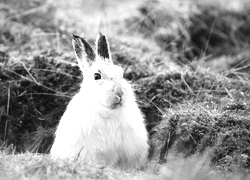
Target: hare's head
102,79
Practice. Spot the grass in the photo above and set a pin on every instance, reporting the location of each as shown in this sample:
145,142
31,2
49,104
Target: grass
40,166
37,166
190,74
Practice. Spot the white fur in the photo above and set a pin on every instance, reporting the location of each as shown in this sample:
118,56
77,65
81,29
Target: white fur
91,131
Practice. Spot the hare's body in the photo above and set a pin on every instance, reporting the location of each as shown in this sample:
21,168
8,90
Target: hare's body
102,123
112,137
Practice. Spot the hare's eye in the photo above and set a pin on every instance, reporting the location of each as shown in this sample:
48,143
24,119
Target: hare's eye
97,76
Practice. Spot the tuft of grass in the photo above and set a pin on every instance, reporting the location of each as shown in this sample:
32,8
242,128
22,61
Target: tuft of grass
190,128
38,166
193,168
165,90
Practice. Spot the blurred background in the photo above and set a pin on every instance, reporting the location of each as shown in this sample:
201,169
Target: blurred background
186,30
148,38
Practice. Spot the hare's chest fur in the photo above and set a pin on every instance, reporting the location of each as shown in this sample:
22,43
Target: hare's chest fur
116,140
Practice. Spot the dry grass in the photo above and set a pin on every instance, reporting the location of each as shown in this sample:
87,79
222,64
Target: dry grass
37,166
40,166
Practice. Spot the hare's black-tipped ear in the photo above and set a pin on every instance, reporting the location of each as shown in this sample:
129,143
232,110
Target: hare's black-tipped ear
102,48
84,53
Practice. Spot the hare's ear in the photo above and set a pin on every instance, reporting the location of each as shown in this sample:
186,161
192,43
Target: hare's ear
84,53
102,48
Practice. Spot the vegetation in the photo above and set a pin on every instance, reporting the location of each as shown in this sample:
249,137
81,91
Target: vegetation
187,61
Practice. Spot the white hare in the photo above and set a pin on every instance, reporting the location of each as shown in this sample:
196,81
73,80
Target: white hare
102,123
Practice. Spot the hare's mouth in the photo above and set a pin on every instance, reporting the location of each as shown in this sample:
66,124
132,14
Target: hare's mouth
117,101
113,101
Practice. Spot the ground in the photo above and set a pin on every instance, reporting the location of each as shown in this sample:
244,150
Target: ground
187,61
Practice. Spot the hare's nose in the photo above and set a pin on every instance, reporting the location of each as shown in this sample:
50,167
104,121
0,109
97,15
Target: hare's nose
118,91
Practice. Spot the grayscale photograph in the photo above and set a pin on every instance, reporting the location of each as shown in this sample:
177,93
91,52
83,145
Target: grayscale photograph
124,89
